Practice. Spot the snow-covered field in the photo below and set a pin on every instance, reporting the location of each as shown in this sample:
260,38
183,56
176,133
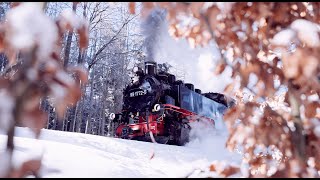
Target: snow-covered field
67,154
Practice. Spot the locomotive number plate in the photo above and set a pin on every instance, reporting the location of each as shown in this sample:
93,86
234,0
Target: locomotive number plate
138,93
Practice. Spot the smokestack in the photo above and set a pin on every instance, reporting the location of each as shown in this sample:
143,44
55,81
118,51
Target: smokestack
150,67
152,28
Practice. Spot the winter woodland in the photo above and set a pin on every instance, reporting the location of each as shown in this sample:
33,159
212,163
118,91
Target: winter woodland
63,66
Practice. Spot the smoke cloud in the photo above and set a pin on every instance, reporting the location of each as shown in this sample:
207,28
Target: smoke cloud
192,65
210,141
152,29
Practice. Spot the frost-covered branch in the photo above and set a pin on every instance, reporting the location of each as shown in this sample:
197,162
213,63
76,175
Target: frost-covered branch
94,58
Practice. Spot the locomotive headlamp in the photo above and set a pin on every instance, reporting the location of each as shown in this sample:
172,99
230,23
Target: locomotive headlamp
112,116
135,128
156,107
135,69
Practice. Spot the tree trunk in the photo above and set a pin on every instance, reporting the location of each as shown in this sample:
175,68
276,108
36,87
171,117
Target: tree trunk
88,119
68,43
79,123
73,123
82,54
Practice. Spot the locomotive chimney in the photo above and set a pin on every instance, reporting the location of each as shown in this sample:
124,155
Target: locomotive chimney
150,67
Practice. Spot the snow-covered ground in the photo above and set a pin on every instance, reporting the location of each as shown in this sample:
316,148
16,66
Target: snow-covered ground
67,154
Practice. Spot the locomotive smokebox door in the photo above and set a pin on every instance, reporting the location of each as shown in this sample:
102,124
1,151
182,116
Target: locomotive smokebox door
150,68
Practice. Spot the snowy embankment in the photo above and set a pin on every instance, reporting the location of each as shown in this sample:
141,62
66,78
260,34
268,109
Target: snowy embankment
67,154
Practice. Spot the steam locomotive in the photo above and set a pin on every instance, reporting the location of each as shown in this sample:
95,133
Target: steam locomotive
157,107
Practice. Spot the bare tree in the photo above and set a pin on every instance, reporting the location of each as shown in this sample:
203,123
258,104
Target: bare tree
104,46
112,46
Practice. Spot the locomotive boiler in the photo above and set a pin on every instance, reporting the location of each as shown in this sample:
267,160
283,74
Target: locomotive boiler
157,107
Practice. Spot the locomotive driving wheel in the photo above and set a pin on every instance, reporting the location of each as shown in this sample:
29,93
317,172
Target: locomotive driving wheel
182,131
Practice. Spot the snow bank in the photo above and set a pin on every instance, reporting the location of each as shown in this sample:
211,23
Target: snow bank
67,154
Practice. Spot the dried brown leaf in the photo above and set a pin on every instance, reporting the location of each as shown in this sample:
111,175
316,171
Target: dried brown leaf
74,94
69,21
232,114
27,168
147,8
2,38
244,77
14,4
181,7
220,68
12,55
309,66
229,88
35,119
264,11
311,109
230,143
132,7
291,64
60,109
50,67
212,167
230,170
80,73
172,15
83,36
196,8
212,14
280,174
4,83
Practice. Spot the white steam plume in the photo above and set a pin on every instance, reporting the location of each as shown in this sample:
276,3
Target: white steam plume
194,66
152,28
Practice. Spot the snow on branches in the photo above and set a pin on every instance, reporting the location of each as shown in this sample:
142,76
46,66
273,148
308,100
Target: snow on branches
31,41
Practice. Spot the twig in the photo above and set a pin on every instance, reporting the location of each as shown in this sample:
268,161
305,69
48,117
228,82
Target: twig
94,59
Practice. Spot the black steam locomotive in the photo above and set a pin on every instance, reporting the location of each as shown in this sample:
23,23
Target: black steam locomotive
157,107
